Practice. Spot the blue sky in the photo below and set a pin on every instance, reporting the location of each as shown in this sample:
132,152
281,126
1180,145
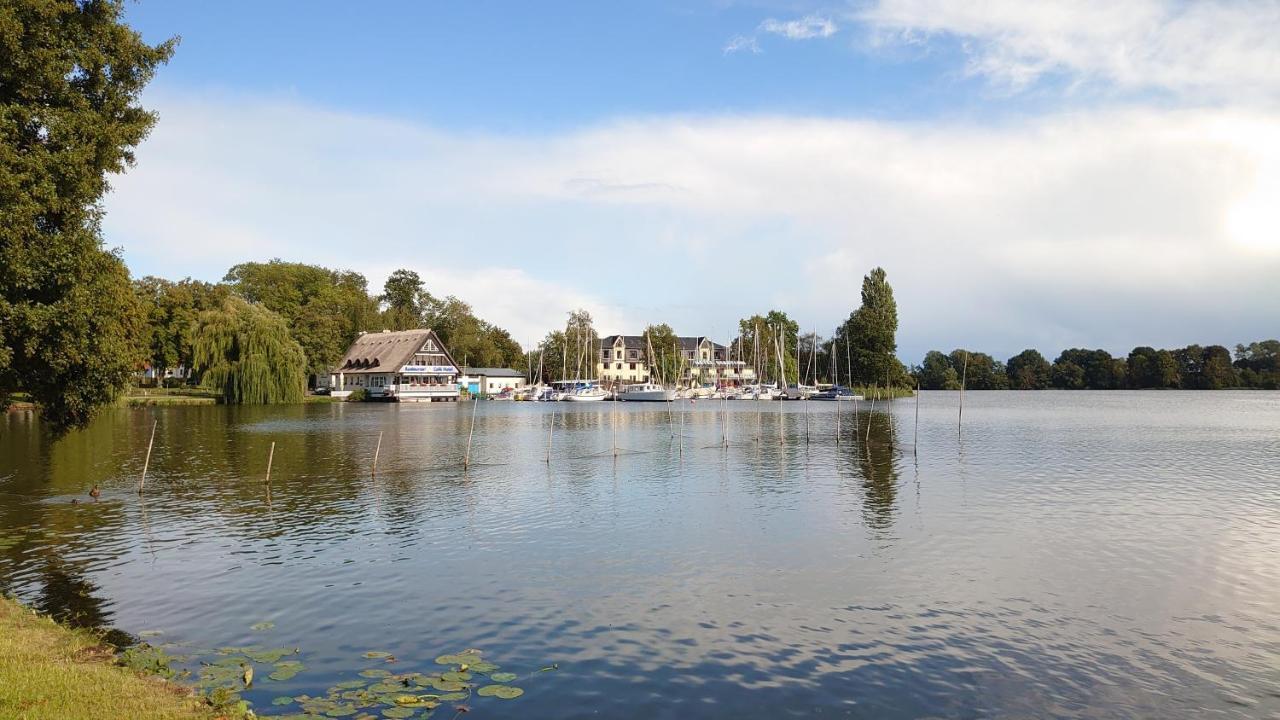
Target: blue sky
1046,174
528,68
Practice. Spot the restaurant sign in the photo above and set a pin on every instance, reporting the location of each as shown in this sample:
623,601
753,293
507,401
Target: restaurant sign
430,369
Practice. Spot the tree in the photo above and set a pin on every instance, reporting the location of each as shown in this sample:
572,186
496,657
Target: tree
1028,370
936,373
325,309
403,294
871,332
664,364
553,353
1217,372
1098,370
583,343
979,371
244,351
69,115
1150,368
1205,368
1259,364
171,310
759,336
1067,375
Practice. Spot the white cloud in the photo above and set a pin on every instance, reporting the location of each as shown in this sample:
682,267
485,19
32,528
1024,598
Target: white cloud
1205,49
739,43
1104,228
805,28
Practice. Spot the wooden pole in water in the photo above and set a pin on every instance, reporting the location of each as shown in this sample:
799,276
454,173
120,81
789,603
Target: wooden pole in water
964,374
870,414
835,364
915,438
376,451
270,456
147,463
466,459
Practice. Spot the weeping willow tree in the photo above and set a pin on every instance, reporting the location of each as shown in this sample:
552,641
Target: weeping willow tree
244,351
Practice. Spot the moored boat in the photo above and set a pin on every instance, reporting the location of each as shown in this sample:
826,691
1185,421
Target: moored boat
646,392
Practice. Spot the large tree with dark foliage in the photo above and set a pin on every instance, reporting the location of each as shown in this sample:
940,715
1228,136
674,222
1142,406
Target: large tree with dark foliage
70,76
324,309
871,333
1028,370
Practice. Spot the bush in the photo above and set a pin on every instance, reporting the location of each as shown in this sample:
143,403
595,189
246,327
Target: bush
357,395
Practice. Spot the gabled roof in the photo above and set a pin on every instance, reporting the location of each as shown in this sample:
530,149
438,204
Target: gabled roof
386,352
630,342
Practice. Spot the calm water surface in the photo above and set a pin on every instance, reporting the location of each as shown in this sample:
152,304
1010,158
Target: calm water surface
1072,555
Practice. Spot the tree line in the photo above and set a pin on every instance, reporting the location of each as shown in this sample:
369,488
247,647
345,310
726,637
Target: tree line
1195,367
303,317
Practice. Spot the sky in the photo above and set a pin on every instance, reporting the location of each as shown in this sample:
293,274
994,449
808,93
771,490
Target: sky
1051,174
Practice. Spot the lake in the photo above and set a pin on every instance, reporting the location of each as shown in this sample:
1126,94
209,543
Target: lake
1070,554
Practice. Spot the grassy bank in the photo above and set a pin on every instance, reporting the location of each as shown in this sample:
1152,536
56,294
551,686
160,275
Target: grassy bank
137,397
49,672
883,393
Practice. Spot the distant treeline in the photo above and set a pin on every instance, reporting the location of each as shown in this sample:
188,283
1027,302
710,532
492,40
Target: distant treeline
303,316
1195,367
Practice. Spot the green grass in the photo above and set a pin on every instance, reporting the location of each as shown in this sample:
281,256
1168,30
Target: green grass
138,397
882,393
49,672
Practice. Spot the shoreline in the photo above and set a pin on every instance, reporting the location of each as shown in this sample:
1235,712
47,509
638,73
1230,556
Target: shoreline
49,671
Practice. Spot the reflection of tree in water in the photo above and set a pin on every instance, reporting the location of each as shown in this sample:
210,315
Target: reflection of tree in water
70,598
874,458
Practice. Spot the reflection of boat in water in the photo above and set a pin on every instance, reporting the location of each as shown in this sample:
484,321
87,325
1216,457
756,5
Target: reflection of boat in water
646,392
836,392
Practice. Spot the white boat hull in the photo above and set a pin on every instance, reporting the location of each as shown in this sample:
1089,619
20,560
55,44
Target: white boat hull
586,397
648,396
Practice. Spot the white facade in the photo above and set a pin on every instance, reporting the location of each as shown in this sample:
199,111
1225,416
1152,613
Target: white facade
489,382
425,372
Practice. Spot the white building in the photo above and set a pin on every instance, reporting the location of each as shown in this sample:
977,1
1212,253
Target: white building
404,366
488,382
624,359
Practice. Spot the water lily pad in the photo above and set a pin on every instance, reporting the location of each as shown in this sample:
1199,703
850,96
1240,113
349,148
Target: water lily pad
349,684
506,692
469,657
502,677
342,711
286,670
377,655
282,700
483,667
456,676
150,633
375,673
398,712
448,685
264,625
270,655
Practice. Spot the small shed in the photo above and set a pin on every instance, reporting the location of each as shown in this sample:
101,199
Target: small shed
488,382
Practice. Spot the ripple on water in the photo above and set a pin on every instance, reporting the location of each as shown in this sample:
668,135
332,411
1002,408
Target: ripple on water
1069,555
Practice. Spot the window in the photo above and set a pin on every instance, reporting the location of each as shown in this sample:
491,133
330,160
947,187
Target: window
617,366
617,354
634,354
633,366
